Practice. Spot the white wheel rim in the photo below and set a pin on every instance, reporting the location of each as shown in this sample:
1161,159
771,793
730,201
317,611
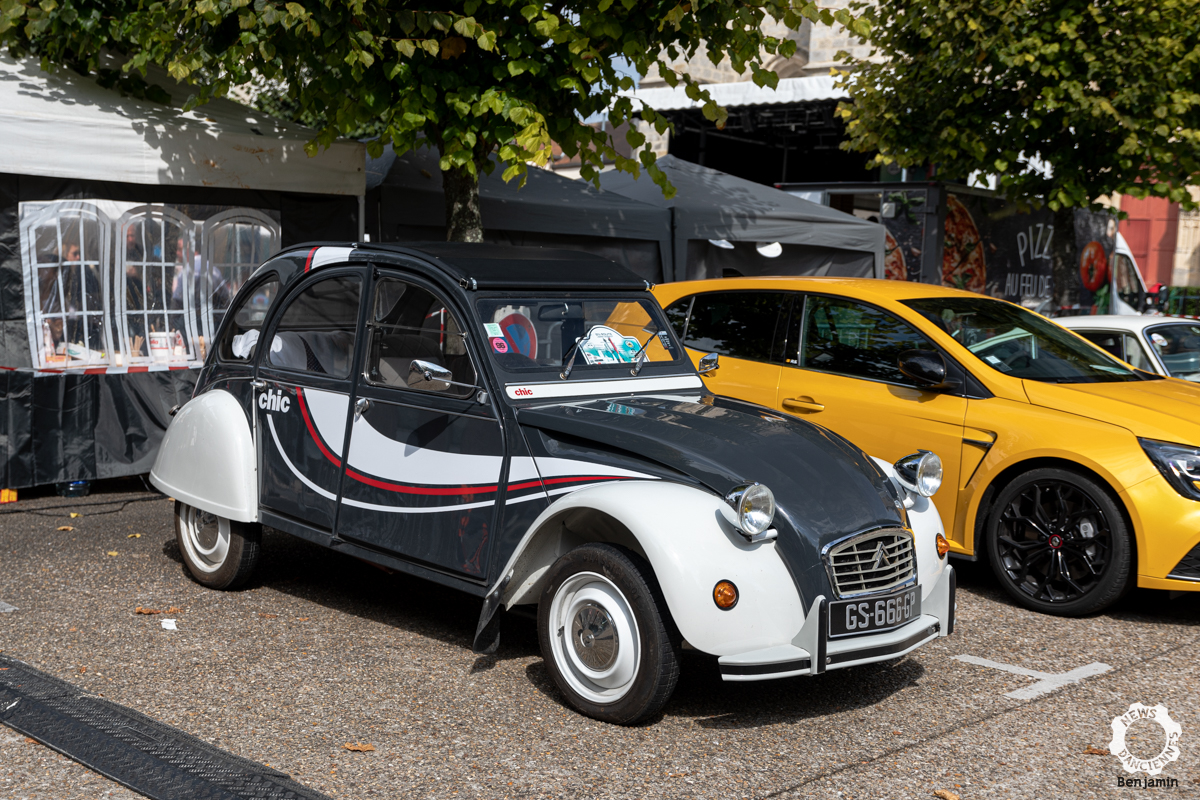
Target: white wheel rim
206,538
594,638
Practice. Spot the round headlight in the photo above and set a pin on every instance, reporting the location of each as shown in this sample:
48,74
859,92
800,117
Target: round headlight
755,507
920,472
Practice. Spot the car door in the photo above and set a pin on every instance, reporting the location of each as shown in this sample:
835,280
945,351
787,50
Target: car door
302,398
747,329
846,379
426,458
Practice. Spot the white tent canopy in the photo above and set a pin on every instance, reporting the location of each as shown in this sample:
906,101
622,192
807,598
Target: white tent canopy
744,93
63,125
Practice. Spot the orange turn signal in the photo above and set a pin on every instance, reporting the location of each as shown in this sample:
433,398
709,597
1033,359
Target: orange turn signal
943,546
725,595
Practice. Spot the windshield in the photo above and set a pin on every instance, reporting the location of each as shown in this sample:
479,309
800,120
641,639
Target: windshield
538,335
1019,343
1178,345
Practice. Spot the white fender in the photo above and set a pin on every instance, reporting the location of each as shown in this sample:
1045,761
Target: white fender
684,533
926,524
207,458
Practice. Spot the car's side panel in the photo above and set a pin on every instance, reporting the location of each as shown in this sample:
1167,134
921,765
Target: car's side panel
207,458
686,536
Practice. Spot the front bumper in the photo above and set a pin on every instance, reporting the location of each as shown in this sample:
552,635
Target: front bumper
1167,527
813,652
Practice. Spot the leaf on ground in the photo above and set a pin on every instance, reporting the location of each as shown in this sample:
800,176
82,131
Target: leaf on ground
75,514
130,536
112,552
174,610
945,794
359,747
268,616
82,670
30,740
140,610
66,528
302,619
1095,751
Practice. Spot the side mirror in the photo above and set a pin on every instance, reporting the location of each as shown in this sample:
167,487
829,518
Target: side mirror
927,368
708,364
428,377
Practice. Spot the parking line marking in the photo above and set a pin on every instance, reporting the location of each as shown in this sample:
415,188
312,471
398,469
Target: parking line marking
1046,681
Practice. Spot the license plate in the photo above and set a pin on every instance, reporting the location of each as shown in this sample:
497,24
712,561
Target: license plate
873,614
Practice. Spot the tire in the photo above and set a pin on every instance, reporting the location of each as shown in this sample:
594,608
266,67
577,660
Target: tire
606,635
219,553
1059,544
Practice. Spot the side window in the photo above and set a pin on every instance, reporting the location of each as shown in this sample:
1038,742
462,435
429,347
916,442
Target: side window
1129,288
853,339
1135,354
1106,341
410,323
241,337
316,332
677,315
735,324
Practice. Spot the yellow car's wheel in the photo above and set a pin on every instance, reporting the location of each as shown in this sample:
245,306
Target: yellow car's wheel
1059,544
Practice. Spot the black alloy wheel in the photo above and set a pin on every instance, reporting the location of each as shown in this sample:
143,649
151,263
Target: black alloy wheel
1059,544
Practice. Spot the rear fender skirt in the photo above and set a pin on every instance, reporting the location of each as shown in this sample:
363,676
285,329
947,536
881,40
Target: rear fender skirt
207,458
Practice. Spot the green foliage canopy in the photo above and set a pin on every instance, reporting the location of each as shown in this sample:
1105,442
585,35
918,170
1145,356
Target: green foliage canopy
1107,92
471,78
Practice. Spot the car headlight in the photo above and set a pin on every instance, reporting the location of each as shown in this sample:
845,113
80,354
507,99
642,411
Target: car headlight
920,472
1179,464
755,508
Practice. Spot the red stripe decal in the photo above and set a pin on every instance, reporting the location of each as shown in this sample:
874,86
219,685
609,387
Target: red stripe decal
308,261
312,431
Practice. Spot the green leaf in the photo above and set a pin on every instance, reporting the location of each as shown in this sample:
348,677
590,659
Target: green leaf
406,47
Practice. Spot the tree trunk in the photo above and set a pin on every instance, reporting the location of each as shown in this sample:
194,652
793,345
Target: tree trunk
1064,262
464,222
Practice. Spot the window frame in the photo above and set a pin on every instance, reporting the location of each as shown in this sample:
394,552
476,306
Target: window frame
209,228
55,214
161,215
284,302
248,290
369,325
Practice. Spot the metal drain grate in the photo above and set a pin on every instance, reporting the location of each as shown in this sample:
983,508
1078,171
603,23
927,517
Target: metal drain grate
153,759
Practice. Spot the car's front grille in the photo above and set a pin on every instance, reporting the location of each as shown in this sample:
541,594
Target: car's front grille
871,562
1188,568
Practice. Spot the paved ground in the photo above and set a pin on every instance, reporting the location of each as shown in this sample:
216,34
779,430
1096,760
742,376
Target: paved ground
323,650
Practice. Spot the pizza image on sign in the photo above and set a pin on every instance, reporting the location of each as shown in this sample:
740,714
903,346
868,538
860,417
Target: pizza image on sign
962,255
894,268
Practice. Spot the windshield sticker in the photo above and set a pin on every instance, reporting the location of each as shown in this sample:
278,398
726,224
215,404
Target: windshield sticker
1158,339
606,346
499,345
492,330
992,360
521,334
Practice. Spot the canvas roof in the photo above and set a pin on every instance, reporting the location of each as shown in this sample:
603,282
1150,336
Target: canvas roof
744,93
64,125
712,205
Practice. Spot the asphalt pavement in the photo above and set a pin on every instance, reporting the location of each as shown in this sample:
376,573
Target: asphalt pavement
322,650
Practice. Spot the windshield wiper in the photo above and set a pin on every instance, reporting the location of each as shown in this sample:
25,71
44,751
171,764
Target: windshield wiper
640,358
574,351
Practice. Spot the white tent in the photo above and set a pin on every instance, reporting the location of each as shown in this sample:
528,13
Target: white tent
63,125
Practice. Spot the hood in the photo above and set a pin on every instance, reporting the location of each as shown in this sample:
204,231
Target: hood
825,488
1167,409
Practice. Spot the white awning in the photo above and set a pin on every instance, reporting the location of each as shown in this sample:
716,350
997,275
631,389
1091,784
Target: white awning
63,125
745,93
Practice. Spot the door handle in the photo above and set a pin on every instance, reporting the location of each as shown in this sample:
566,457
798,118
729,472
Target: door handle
802,404
257,384
360,407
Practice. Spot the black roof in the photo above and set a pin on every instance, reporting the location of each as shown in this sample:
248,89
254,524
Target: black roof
497,266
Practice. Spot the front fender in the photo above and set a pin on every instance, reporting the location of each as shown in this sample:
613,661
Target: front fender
684,534
925,523
207,458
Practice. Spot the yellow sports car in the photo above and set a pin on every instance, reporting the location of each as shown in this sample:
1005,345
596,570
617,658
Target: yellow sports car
1071,470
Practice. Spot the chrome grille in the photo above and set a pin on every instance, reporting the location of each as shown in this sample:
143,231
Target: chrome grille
871,562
